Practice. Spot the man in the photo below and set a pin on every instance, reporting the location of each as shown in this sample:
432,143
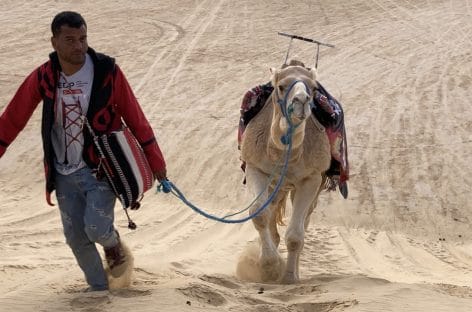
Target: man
78,83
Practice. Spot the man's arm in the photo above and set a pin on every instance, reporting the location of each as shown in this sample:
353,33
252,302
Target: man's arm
129,108
17,113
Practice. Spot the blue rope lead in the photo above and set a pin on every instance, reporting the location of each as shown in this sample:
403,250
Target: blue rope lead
169,187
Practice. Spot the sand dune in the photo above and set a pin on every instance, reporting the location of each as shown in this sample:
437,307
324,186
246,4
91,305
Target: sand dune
401,242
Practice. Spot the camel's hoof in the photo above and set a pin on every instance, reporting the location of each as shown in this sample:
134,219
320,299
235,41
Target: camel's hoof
290,278
271,269
269,276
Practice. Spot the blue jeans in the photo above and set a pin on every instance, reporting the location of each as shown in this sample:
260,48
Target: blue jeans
87,213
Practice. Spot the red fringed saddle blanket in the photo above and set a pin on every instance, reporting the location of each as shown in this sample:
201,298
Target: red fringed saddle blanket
327,110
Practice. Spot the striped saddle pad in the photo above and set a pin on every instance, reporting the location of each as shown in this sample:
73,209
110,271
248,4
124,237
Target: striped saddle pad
125,166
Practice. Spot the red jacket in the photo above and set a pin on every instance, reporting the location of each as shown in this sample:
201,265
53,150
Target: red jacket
112,102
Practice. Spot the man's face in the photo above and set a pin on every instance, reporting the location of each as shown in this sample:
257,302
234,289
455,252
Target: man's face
71,44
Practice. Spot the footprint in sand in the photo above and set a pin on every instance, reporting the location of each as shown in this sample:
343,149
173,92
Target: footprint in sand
96,301
203,294
130,293
90,302
220,280
322,306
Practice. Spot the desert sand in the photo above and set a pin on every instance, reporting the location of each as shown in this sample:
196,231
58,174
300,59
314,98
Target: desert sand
401,242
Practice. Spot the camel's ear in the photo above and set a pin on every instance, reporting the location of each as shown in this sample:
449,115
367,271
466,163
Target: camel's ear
274,73
314,73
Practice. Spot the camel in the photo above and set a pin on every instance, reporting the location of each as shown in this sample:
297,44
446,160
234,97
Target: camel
262,149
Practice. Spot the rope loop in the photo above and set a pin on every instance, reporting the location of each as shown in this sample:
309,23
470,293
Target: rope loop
167,186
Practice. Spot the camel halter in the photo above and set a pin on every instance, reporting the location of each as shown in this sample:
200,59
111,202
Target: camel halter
287,111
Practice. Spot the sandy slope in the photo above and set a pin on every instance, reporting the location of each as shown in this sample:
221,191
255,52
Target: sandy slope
401,242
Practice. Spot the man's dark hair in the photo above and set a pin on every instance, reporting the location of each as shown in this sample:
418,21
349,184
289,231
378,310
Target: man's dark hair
69,18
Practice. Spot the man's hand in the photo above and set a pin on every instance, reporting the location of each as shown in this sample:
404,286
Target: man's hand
161,175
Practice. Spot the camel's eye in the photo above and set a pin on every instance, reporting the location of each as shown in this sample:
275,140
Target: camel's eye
281,88
311,88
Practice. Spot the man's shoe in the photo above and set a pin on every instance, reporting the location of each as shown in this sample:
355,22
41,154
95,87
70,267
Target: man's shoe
116,259
95,289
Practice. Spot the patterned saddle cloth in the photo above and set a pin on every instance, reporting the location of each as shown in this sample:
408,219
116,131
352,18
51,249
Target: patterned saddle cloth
327,110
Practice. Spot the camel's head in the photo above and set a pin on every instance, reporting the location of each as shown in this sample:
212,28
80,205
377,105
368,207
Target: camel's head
294,87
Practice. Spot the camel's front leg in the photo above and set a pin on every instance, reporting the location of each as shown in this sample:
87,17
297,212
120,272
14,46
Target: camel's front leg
305,193
269,258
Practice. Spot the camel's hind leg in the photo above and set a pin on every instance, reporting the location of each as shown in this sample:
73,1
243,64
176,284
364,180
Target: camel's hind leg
277,215
313,205
269,260
303,200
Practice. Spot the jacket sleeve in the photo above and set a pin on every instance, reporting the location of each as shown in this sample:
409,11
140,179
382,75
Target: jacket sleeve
129,108
19,110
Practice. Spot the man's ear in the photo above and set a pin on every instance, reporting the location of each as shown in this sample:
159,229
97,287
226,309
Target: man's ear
53,42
